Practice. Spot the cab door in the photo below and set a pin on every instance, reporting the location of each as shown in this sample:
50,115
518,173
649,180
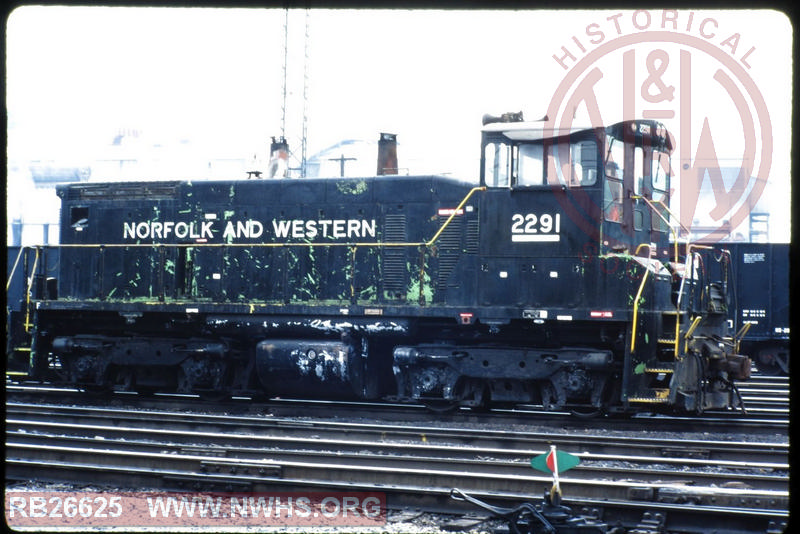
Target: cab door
627,218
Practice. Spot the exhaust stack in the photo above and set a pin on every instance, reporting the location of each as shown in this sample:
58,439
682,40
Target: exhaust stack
278,158
387,154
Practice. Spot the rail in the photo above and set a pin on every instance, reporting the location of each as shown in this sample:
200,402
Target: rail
172,448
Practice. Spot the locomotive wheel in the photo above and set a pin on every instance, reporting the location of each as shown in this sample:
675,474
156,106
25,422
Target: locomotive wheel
482,399
772,361
183,383
214,396
587,412
57,369
441,406
125,379
591,411
550,400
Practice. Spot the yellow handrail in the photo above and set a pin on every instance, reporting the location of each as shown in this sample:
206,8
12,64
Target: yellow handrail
650,204
455,212
649,248
691,330
737,339
688,267
636,310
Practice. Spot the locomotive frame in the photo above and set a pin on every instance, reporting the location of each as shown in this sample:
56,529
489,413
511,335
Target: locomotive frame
553,281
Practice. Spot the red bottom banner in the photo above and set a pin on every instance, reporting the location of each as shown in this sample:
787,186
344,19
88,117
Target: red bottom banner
49,509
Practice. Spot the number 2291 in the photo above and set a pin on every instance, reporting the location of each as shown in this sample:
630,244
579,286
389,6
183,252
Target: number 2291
531,224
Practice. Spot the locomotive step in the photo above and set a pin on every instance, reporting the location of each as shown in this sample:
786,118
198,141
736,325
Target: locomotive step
659,370
651,400
657,395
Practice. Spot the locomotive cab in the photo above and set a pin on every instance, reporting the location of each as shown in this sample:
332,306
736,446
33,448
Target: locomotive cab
603,178
576,231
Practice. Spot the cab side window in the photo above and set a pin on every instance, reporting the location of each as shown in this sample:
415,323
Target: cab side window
613,190
497,171
661,172
584,163
638,170
612,200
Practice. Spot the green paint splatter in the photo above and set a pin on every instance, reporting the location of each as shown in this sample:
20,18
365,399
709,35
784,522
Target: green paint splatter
413,289
352,187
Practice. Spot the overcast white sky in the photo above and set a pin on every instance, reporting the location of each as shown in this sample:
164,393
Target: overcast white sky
76,75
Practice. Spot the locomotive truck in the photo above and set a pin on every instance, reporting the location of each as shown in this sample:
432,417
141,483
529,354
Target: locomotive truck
557,279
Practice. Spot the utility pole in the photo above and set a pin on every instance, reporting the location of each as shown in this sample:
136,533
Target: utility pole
341,159
290,76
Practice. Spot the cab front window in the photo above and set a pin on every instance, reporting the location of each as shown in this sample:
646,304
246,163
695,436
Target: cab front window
559,164
527,164
530,165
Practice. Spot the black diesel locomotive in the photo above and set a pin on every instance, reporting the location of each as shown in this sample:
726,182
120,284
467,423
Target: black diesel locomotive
555,281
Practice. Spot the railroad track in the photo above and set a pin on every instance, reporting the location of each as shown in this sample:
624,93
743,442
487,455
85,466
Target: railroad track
766,393
502,444
415,465
760,419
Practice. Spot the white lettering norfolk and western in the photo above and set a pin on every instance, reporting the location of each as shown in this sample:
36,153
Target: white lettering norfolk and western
251,229
162,230
335,228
